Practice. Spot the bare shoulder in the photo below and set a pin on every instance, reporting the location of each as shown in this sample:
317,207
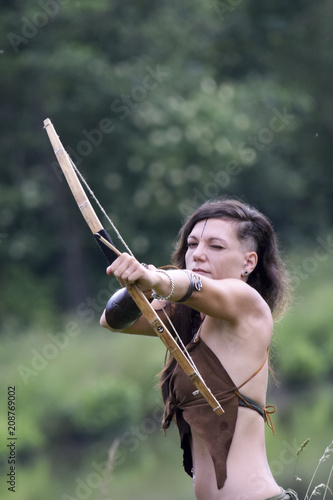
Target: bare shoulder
241,341
253,311
248,297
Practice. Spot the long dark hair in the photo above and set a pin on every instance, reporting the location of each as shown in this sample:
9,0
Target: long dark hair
269,277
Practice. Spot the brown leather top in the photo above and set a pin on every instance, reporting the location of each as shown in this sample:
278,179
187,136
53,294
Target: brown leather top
192,411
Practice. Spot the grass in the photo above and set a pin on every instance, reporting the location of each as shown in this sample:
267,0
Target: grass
100,387
320,488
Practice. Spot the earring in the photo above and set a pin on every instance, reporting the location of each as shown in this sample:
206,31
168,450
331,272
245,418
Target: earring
245,273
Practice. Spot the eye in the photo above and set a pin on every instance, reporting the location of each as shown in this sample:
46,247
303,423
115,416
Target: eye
217,247
191,244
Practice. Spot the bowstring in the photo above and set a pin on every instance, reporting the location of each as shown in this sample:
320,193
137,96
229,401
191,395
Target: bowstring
185,351
92,194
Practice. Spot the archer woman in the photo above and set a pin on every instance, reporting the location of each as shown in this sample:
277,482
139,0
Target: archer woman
228,282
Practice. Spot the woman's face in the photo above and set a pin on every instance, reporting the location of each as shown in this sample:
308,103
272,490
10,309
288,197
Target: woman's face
215,251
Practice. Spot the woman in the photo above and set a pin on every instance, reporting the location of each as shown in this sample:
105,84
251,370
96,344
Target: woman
228,282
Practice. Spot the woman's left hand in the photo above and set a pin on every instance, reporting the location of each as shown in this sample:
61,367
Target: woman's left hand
128,271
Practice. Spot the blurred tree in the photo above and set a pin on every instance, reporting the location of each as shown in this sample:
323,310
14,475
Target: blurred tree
161,106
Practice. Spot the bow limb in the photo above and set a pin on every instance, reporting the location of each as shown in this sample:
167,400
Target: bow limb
111,253
78,192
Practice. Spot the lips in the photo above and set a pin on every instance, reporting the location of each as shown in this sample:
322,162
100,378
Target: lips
199,271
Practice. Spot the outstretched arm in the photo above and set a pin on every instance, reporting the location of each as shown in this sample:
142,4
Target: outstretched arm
227,299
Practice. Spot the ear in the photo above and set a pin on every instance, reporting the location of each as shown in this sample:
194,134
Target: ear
250,262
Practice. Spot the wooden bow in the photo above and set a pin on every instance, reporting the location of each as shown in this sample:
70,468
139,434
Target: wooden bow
111,253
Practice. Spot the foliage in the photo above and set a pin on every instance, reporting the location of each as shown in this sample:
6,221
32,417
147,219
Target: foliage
304,336
161,106
94,387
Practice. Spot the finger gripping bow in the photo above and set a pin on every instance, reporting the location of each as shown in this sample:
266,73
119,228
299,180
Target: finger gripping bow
111,253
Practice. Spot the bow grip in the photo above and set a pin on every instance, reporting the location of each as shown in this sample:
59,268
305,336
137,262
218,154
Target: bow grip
110,255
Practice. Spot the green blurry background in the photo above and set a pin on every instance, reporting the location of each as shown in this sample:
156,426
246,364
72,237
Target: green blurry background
161,105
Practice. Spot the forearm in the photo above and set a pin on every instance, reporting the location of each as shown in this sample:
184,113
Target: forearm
173,285
176,285
139,327
121,311
122,315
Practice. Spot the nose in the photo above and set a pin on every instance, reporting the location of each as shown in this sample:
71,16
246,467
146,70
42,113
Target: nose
199,252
